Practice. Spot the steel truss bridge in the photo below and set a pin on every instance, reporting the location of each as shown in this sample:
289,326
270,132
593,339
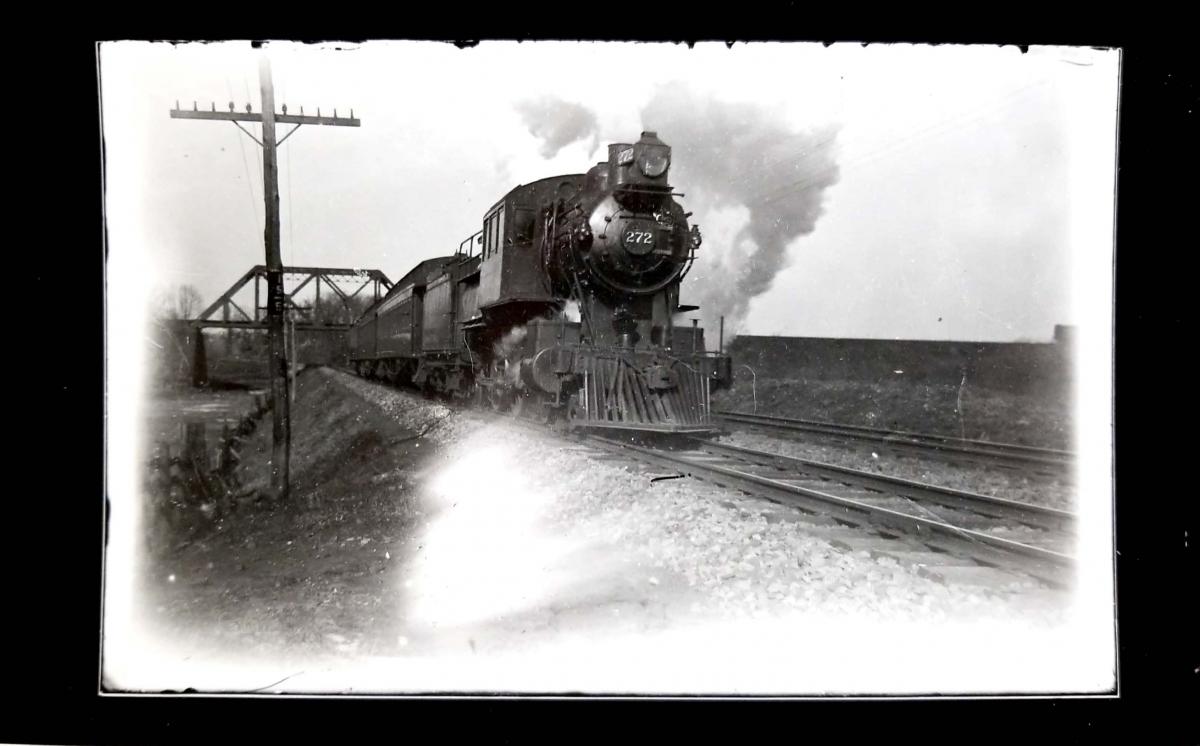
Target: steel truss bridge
374,280
226,313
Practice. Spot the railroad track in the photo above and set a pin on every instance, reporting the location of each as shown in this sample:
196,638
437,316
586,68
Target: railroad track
1044,461
950,533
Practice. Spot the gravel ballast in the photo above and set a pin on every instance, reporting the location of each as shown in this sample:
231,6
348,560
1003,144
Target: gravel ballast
744,555
664,557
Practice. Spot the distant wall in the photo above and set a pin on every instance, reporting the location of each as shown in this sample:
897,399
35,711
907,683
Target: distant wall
1017,367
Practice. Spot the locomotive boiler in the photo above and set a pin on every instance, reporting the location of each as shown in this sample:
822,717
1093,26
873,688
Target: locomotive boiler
563,304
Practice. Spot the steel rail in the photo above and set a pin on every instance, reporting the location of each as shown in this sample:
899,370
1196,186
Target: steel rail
989,451
1037,516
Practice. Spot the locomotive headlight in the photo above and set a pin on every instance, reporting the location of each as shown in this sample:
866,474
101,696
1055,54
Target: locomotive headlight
654,161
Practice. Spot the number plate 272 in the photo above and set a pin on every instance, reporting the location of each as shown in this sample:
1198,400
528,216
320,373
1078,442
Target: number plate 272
639,239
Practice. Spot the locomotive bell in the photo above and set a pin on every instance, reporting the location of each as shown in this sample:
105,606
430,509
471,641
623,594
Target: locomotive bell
597,177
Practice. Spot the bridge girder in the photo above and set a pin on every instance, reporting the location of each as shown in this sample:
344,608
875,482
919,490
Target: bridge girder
328,276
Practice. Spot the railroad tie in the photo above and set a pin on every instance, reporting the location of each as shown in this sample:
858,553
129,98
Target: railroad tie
858,543
948,569
976,575
848,539
923,559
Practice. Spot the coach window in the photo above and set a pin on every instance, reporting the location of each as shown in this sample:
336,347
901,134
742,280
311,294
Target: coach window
500,228
486,235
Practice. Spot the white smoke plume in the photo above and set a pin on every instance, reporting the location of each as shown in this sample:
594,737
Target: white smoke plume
558,123
738,164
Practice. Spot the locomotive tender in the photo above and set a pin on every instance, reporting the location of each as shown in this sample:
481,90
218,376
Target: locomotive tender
567,307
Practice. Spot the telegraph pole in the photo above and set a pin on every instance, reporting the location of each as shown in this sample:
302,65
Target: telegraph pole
281,410
276,297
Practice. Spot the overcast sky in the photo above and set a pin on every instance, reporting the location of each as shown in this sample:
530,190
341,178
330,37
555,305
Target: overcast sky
886,191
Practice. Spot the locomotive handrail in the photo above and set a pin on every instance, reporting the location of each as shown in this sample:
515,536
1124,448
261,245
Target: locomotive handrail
469,240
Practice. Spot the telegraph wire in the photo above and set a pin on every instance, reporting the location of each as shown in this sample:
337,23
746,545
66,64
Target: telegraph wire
828,142
291,224
257,151
245,165
960,120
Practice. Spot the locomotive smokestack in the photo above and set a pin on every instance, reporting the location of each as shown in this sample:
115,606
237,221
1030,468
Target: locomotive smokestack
617,172
614,149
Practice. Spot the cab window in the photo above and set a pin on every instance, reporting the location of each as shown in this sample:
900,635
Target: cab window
489,235
523,225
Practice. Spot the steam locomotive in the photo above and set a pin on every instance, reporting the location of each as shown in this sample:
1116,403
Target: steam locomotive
562,305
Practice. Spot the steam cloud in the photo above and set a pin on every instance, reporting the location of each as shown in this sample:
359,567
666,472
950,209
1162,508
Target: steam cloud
572,311
510,341
558,123
736,160
504,347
